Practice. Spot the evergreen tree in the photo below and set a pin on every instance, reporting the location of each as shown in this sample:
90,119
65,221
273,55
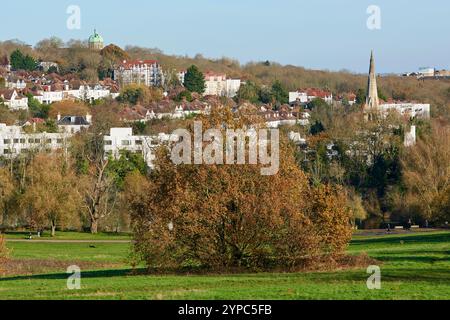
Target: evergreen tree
280,94
194,80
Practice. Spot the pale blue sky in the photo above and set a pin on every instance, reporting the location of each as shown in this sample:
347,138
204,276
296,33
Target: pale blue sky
317,34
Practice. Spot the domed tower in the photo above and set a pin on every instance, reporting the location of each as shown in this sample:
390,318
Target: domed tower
96,41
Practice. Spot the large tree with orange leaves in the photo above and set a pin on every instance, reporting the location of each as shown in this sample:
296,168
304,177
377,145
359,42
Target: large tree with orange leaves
231,216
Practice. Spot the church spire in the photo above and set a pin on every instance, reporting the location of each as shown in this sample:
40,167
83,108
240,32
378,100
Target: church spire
372,100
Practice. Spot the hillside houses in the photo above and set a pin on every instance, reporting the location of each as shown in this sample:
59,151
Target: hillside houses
13,99
164,110
307,95
285,116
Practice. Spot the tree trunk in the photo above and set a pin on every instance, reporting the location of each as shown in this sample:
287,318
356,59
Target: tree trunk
94,226
53,229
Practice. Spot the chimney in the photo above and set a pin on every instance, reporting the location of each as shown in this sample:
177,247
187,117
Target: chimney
58,117
88,118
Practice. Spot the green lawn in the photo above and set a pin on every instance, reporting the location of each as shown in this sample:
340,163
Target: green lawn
70,236
414,266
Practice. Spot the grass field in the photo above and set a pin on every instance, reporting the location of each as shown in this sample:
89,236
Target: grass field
413,266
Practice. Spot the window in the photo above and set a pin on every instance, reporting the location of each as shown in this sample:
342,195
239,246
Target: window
59,141
7,141
108,142
30,140
138,142
22,141
49,140
126,142
15,141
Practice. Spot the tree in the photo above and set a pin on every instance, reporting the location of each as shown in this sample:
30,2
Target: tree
194,80
135,94
317,128
50,197
426,174
280,94
361,96
96,185
6,190
4,254
19,61
248,91
230,216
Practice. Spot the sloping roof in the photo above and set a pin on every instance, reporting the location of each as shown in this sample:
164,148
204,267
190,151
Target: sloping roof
73,120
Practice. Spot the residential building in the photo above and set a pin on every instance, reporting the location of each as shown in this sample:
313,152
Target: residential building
14,141
13,99
307,95
73,124
52,93
426,72
217,84
142,72
122,140
46,65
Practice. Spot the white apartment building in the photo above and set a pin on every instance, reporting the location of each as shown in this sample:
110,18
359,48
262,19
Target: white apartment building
219,85
13,141
122,139
412,110
143,72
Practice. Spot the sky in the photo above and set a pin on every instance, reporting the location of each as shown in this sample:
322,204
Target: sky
315,34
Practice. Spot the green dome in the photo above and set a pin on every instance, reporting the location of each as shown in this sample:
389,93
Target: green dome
95,38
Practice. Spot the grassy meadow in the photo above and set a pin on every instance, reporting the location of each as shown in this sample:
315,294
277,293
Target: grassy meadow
414,265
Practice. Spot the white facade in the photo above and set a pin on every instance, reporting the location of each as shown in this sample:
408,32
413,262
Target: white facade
73,124
298,96
426,72
84,93
19,84
410,137
142,72
14,101
308,95
13,141
122,139
219,85
412,110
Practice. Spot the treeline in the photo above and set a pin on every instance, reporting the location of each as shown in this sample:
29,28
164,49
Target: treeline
387,182
76,189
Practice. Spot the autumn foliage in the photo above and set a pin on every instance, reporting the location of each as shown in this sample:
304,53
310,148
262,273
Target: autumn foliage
4,253
226,217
